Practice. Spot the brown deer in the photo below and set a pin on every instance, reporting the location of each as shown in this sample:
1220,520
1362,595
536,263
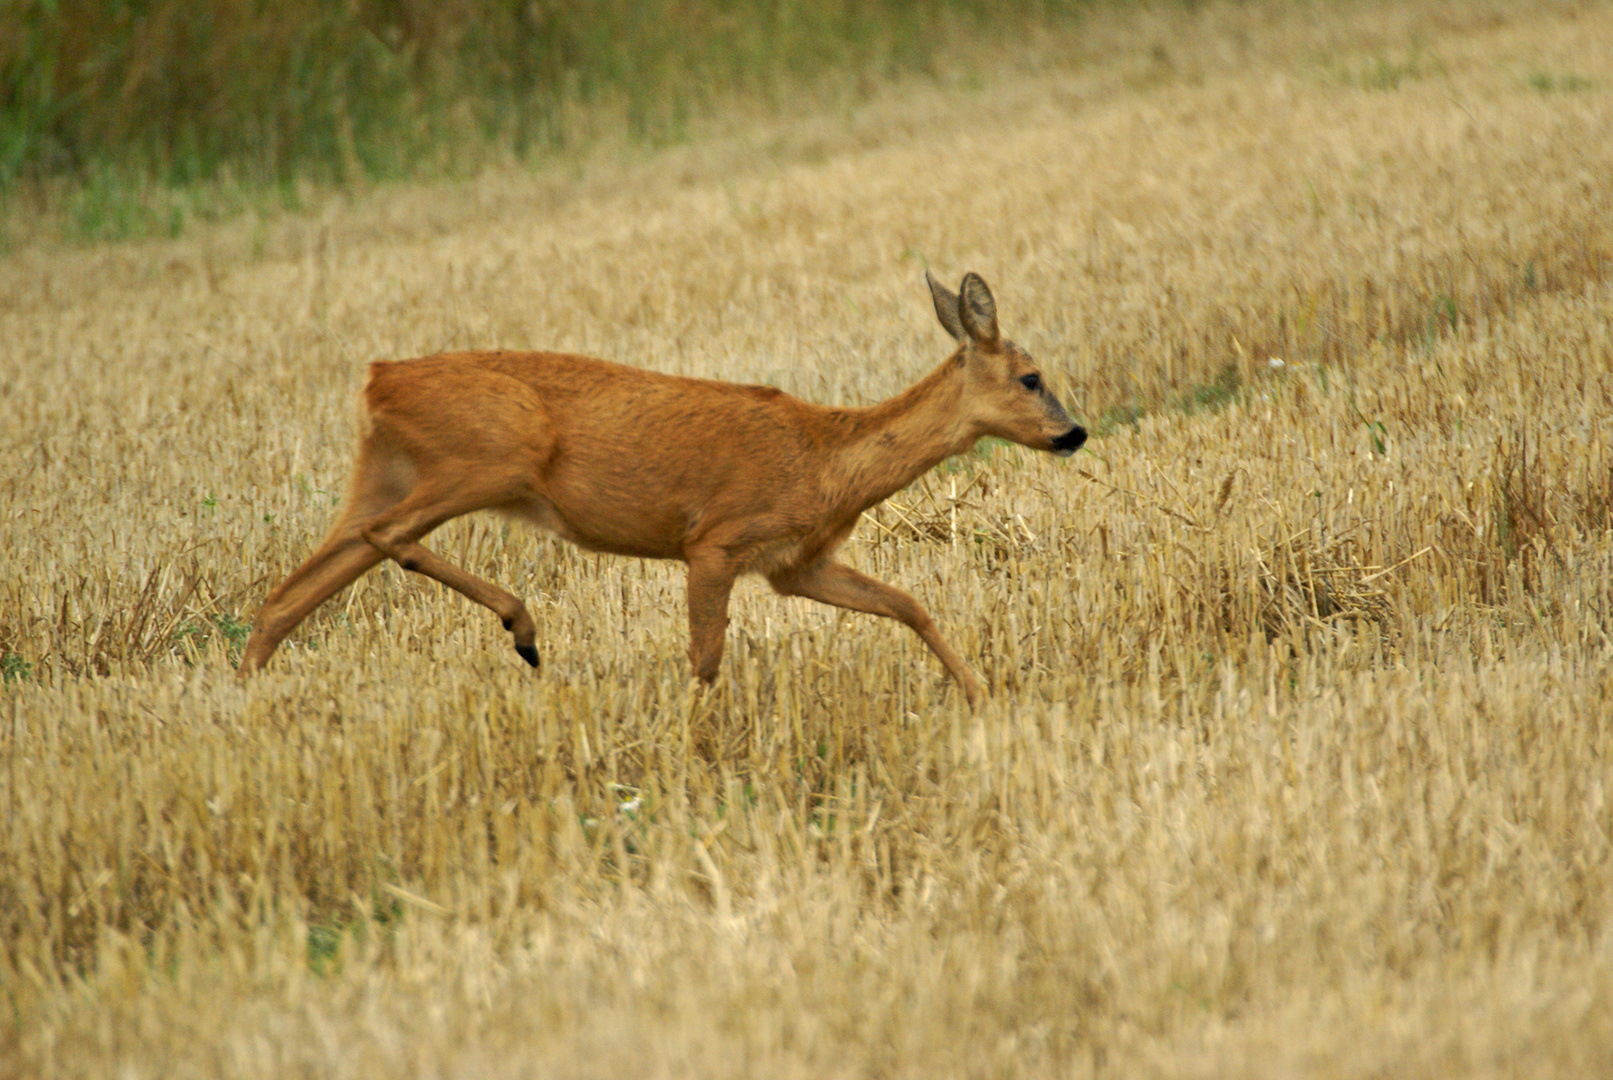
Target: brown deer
730,479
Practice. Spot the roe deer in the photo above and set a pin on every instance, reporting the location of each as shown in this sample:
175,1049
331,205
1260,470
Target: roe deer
731,479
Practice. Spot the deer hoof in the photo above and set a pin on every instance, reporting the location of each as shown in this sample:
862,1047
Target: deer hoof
528,653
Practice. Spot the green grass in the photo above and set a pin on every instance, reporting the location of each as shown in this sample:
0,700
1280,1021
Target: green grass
1563,84
1196,397
151,114
1389,72
14,668
224,627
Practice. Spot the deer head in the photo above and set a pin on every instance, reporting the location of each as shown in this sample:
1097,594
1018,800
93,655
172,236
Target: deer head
1005,393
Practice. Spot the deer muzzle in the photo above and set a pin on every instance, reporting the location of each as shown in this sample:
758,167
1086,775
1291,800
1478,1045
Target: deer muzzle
1068,443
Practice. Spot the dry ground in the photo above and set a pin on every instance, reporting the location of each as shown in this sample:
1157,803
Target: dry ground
1299,754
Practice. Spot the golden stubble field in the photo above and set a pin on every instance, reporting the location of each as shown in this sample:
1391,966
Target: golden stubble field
1298,755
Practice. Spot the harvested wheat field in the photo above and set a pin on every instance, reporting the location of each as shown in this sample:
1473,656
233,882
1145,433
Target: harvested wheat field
1299,748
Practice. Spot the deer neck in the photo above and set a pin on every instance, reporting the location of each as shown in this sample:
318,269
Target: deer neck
891,444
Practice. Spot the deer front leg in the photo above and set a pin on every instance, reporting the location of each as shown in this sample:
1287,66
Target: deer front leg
711,579
838,584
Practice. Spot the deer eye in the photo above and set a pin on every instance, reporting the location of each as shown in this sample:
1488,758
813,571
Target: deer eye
1031,382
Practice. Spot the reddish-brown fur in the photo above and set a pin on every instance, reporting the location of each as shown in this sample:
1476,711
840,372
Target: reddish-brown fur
730,479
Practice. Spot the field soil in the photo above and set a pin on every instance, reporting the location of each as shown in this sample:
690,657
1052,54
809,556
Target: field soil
1299,749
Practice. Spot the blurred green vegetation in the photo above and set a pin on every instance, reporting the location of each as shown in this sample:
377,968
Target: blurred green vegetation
174,92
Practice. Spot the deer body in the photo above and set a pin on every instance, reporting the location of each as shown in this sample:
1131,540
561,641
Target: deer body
729,479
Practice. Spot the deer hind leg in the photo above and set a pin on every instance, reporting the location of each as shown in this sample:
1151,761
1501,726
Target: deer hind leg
340,560
343,558
396,534
835,583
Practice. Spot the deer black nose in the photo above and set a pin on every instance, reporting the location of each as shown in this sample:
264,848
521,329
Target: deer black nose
1071,440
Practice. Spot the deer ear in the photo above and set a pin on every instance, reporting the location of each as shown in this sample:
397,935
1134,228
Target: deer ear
946,307
977,311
